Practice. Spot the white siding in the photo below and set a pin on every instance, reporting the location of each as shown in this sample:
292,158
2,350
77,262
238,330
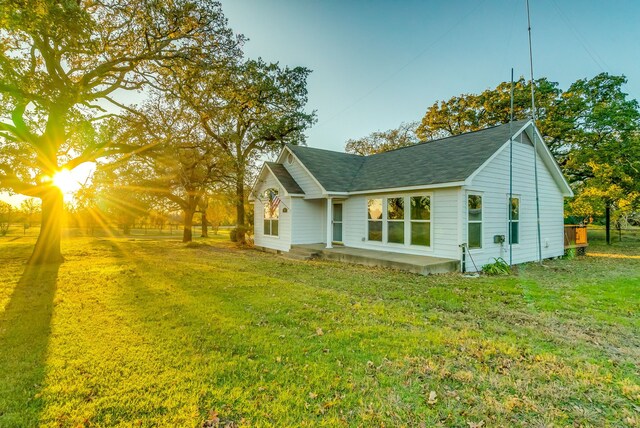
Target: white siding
493,182
302,177
308,221
444,218
281,242
445,226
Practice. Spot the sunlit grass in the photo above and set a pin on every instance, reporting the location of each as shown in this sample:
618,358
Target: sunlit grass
131,331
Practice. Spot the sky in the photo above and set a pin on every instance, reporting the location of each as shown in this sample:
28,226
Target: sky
379,63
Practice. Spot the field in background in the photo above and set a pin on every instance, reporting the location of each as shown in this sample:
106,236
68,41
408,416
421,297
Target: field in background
134,331
18,230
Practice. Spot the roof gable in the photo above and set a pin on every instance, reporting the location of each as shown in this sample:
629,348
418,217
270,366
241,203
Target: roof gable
285,179
282,176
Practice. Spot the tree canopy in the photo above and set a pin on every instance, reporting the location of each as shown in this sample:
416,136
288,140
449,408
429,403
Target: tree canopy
64,65
249,112
383,141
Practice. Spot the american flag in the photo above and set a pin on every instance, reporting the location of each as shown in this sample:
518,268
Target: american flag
275,201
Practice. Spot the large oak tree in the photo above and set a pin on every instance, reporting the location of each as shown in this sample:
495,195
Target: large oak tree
66,64
250,112
182,163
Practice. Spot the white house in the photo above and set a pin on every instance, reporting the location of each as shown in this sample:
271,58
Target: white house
428,199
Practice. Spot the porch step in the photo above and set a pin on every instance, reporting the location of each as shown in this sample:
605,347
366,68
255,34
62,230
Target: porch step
398,262
422,265
300,253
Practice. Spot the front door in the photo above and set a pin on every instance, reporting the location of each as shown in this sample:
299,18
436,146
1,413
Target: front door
337,222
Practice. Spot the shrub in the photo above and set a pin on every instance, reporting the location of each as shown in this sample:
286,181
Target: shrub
233,235
498,267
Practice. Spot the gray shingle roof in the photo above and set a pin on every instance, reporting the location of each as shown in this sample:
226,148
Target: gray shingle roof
334,170
283,176
440,161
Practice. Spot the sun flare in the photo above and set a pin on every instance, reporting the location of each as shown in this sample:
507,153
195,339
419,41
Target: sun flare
65,181
70,182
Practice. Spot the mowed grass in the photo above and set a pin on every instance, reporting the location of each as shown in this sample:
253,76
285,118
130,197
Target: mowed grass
156,333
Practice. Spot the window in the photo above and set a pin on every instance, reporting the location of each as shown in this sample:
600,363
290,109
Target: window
271,212
514,232
405,220
421,220
474,221
374,215
395,220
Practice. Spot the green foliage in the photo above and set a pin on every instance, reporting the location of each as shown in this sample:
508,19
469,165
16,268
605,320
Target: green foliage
151,333
498,267
570,253
248,112
383,141
472,112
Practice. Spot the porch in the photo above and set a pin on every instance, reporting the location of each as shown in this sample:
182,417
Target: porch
423,265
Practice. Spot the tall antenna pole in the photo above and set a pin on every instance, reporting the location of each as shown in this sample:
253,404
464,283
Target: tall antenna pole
535,140
511,176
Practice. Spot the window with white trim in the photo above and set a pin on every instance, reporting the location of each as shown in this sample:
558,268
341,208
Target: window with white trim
514,232
395,220
405,220
420,220
271,212
474,221
374,217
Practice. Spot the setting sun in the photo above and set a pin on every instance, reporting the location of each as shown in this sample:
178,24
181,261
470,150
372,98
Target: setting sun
70,181
65,181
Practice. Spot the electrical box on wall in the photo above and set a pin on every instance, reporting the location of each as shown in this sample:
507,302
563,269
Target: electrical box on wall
498,239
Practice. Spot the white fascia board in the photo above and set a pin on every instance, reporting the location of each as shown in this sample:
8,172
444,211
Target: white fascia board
324,191
409,188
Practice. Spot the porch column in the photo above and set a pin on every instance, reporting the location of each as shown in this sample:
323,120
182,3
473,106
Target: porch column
329,222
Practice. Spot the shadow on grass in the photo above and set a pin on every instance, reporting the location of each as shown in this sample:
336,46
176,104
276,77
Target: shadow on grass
25,327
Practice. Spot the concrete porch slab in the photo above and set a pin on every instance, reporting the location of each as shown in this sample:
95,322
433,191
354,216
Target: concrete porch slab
423,265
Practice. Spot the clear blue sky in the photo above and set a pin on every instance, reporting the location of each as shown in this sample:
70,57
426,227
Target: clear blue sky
378,63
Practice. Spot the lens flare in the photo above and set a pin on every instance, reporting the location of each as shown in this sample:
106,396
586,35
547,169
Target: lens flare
65,181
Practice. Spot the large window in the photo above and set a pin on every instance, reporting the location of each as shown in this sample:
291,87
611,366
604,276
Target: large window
421,220
405,220
395,220
474,221
271,212
515,220
374,216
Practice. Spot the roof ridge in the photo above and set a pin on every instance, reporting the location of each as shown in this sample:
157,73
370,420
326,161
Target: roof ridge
324,150
446,138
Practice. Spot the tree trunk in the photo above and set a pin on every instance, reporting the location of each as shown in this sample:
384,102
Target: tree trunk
240,215
205,225
607,215
187,233
47,249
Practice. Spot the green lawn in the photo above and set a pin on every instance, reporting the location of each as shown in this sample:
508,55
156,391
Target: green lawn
155,333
